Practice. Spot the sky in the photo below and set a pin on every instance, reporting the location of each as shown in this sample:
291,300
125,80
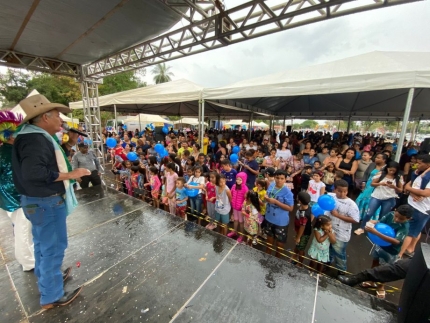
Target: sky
400,28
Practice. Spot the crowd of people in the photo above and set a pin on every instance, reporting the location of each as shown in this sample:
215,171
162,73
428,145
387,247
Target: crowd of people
246,184
243,184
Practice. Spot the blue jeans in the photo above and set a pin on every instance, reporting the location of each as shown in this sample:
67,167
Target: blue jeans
48,218
374,204
338,254
196,205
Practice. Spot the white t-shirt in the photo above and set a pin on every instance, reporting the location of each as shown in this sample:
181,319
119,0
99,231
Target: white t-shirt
424,205
199,180
284,154
314,190
385,192
346,207
244,146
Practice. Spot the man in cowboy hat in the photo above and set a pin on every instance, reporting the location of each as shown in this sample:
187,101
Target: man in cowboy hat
42,175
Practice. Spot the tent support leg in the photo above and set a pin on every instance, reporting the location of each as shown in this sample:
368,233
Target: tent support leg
404,123
397,130
115,124
349,125
219,122
283,126
249,126
140,127
202,126
200,119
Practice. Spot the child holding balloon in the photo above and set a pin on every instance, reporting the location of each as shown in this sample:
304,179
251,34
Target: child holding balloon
387,235
323,238
155,184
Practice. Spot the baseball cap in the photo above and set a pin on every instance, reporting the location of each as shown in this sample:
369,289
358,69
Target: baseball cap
82,144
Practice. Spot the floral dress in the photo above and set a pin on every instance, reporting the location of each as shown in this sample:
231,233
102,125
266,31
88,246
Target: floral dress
250,220
320,251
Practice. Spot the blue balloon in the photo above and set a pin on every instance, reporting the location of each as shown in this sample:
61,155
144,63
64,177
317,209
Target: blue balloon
335,135
132,156
88,141
235,149
213,144
192,192
117,209
164,153
394,147
411,152
165,130
124,127
111,142
234,158
384,229
327,202
317,210
159,148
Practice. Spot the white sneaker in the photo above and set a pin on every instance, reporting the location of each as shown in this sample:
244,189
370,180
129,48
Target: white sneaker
254,241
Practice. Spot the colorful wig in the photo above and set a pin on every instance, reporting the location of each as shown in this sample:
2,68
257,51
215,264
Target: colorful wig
9,122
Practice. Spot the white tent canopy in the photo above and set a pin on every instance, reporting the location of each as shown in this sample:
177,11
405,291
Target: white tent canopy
188,121
366,86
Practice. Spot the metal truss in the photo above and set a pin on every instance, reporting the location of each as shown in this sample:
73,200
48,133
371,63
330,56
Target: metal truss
211,27
42,64
93,123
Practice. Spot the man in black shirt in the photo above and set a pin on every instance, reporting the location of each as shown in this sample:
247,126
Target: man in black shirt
42,175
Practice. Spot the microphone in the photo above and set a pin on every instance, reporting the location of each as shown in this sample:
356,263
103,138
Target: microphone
66,128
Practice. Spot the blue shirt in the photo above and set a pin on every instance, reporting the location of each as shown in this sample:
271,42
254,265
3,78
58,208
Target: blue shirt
180,195
274,214
250,180
230,177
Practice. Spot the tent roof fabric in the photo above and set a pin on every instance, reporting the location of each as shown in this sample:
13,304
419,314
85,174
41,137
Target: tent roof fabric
100,27
364,86
372,86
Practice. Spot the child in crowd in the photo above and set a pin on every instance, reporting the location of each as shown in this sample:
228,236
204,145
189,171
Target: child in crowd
181,198
261,189
306,177
323,238
197,181
126,177
250,168
269,174
317,166
250,211
155,184
188,174
302,226
398,221
170,181
388,184
229,173
328,178
238,193
134,180
316,187
289,183
211,197
260,158
222,205
184,160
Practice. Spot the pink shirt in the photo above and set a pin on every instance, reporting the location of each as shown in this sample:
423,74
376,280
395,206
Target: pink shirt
210,188
170,181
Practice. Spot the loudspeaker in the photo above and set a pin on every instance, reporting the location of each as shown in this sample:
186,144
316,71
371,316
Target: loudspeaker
425,146
289,128
414,305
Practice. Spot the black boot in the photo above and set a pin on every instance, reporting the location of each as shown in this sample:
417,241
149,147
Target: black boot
353,280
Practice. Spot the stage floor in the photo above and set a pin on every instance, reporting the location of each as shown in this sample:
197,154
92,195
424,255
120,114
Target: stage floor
139,264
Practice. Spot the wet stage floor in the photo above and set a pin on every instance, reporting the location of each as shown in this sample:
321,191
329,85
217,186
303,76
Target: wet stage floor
139,264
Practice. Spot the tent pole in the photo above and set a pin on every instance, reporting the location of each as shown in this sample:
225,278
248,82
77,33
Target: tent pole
249,126
416,128
397,129
219,122
349,125
200,117
202,126
404,124
115,125
283,126
338,127
140,127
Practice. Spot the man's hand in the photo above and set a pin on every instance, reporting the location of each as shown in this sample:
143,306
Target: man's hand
369,229
79,172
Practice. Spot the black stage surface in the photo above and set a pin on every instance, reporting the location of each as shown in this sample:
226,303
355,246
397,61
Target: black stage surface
139,264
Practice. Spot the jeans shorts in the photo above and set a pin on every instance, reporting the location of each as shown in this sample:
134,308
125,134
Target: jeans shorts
223,218
417,223
276,231
383,256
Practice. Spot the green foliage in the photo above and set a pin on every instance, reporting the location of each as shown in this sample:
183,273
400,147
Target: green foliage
13,86
311,124
161,73
120,82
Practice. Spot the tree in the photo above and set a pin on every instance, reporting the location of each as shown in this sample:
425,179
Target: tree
120,82
13,86
162,73
311,124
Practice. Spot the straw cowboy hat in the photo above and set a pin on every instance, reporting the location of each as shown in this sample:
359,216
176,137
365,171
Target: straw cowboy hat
38,104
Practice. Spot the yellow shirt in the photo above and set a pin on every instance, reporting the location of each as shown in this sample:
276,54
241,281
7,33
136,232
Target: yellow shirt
205,145
181,151
261,195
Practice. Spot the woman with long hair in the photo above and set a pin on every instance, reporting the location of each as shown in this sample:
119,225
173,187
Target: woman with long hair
348,165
